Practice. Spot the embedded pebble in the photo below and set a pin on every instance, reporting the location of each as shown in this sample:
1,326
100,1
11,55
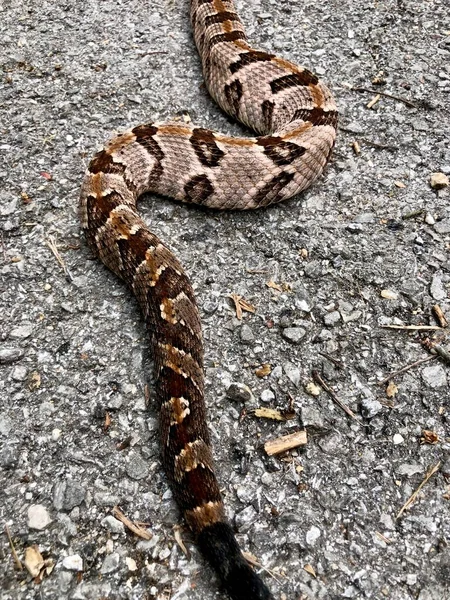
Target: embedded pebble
292,372
19,373
437,288
110,563
68,494
398,439
311,417
131,564
240,393
113,524
435,376
438,181
293,334
247,335
10,355
332,318
312,535
409,469
21,332
38,517
136,466
370,407
245,518
73,563
267,396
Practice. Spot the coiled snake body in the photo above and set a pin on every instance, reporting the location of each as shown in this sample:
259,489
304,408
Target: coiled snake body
295,117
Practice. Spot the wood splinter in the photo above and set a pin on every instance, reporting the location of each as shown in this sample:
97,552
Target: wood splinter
286,442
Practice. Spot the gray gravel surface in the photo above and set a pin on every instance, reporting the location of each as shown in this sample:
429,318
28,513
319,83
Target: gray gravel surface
73,347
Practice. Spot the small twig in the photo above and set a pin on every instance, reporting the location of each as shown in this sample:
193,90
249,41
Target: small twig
318,379
413,214
406,368
338,363
5,257
139,531
378,145
442,352
439,315
391,96
412,327
286,442
249,558
414,495
13,550
383,538
51,243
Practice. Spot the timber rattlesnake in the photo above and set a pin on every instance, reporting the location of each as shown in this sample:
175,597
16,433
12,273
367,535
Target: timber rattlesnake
295,116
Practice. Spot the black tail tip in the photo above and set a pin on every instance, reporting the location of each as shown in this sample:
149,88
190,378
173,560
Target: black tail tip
218,544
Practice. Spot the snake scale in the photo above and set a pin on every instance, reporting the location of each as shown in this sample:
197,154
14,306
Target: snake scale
295,119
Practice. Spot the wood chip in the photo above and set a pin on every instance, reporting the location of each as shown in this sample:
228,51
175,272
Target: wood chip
413,497
391,390
356,147
274,286
312,389
240,305
34,381
263,370
374,100
269,413
429,437
179,541
438,181
389,294
137,529
439,316
310,569
33,561
286,442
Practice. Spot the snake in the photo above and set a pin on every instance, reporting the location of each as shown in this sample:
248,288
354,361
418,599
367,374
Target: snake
294,118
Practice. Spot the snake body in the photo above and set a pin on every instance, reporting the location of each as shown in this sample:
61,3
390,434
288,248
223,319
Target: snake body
295,118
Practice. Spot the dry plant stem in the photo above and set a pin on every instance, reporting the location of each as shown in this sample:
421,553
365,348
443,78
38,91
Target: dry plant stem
13,550
412,327
386,95
406,368
139,531
413,496
318,379
51,243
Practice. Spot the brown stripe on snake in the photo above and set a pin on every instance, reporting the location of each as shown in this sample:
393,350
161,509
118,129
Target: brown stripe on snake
295,116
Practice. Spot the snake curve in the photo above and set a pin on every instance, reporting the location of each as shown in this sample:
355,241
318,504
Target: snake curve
295,119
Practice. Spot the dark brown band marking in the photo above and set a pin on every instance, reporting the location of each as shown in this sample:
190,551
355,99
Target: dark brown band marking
221,18
303,78
248,58
233,93
317,116
280,152
206,148
272,189
198,189
229,36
